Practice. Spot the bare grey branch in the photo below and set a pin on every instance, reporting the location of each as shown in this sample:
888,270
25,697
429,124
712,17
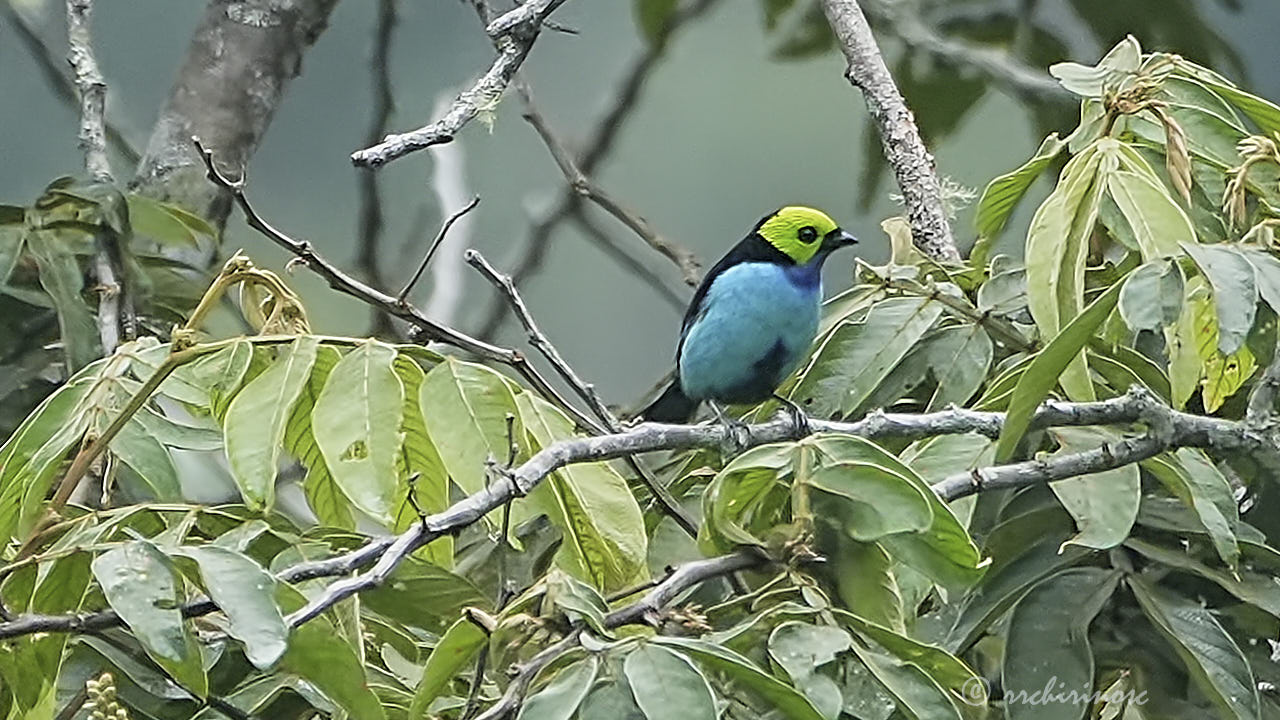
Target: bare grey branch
903,147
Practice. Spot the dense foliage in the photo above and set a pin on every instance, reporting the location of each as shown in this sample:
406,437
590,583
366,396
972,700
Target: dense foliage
1146,590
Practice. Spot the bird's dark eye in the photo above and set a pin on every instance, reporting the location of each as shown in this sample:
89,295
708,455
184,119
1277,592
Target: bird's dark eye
808,234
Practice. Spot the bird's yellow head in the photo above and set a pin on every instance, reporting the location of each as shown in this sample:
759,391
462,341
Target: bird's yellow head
800,232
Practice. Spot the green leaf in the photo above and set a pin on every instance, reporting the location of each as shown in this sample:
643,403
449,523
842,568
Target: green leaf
605,541
325,499
245,593
857,357
801,648
1024,549
1263,113
149,458
730,501
1194,479
1046,370
562,696
37,660
1159,225
1256,588
577,599
1103,504
217,377
174,434
356,422
1047,643
319,654
945,669
785,699
965,370
447,659
168,225
1266,273
666,683
956,356
944,552
32,454
918,696
465,407
1004,192
1056,249
400,598
612,700
138,581
1214,661
873,501
1183,341
1235,292
1152,296
255,422
1091,81
62,278
420,457
866,583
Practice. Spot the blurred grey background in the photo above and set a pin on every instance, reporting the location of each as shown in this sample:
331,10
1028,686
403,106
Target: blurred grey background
738,118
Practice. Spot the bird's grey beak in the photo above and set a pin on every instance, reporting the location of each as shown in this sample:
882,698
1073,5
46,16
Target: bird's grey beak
838,238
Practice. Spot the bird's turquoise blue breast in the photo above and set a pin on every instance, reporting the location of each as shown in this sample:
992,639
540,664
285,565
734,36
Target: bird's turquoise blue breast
755,325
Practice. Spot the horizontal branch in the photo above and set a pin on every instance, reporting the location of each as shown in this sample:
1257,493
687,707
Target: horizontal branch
513,35
1169,427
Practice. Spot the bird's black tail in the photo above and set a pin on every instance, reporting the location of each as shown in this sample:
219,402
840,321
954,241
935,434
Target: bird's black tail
672,406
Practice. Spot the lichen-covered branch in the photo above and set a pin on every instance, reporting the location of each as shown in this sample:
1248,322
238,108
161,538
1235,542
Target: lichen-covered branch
513,35
108,266
903,147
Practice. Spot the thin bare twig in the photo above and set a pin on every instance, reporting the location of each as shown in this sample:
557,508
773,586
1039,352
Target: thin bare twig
346,284
599,143
539,339
513,35
666,501
369,255
684,259
677,299
903,148
56,76
435,244
906,21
